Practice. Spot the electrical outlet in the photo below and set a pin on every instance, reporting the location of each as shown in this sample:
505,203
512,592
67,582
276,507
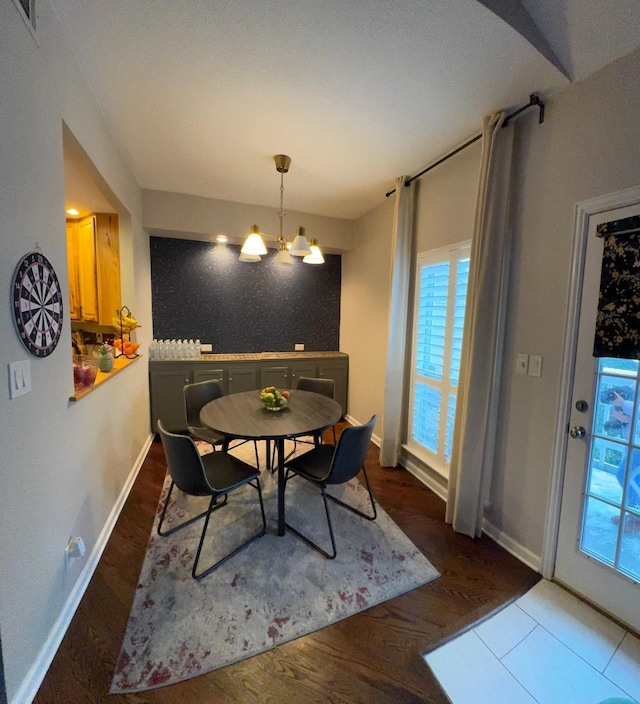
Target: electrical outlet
204,348
298,347
19,378
75,548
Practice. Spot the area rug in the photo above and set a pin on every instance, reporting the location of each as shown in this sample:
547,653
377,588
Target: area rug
275,590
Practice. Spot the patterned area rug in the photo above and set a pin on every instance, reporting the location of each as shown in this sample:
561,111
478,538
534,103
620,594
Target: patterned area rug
272,592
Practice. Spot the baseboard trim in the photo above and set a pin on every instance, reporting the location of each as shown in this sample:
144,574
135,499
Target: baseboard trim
512,546
31,683
431,480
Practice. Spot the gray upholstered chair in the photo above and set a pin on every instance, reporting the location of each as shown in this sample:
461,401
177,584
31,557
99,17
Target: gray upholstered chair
198,395
326,465
216,475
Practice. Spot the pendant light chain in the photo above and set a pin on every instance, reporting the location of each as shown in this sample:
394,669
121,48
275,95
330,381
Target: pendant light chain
281,212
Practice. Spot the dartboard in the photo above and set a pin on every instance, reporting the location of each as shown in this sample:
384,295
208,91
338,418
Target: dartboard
37,304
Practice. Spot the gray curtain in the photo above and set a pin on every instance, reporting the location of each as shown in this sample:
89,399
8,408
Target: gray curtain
473,447
397,327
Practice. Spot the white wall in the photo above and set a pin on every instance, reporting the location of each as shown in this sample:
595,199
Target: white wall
364,312
63,464
194,217
589,145
446,201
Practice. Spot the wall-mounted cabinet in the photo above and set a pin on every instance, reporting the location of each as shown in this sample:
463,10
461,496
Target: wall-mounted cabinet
167,379
93,256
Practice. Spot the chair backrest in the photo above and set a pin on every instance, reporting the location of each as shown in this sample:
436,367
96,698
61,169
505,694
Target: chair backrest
198,395
351,452
183,462
326,387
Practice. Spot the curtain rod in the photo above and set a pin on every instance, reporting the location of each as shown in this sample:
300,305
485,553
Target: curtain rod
534,100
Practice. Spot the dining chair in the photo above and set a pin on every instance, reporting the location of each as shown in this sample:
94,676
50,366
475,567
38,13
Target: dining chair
327,465
216,475
325,387
196,396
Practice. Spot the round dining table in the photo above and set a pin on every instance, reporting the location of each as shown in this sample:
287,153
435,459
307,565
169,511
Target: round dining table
243,415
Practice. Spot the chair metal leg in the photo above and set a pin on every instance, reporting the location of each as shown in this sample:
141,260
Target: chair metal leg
212,508
189,521
355,510
325,496
228,446
308,541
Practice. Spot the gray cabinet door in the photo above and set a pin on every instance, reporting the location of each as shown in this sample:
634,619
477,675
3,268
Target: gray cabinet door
286,377
167,397
277,376
204,374
241,378
337,370
299,369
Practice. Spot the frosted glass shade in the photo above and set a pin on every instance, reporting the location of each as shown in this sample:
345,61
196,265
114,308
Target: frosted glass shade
283,257
249,257
300,246
254,245
315,257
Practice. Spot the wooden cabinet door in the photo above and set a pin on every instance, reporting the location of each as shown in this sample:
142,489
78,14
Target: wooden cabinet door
72,266
87,275
107,267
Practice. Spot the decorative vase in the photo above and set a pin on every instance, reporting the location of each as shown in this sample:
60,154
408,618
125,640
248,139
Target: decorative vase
105,360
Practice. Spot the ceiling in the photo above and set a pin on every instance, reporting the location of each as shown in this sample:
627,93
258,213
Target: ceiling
201,94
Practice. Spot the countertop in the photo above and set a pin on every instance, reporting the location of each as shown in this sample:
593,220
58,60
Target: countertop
252,357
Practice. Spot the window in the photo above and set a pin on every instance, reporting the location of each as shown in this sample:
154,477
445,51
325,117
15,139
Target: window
441,293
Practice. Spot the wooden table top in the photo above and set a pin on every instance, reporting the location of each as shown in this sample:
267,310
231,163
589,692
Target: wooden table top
244,416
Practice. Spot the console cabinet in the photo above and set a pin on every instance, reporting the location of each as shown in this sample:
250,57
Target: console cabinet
167,379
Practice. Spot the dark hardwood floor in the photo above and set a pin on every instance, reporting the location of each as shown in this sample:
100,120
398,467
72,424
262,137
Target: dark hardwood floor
373,657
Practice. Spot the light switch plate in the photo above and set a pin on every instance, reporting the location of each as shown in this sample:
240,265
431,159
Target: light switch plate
19,378
535,365
522,363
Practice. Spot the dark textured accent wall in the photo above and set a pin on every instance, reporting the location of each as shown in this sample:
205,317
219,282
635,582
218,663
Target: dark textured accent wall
201,290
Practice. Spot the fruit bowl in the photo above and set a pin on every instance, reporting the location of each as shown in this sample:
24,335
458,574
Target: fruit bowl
273,399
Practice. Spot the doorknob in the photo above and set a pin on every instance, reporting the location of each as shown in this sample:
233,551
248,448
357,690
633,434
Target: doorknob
577,431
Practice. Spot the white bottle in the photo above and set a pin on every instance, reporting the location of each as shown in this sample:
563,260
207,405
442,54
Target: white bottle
198,348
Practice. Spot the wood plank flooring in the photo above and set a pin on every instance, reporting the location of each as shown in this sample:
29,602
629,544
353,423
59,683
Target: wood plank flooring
373,657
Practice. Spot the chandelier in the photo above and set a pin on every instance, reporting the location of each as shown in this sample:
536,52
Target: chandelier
295,245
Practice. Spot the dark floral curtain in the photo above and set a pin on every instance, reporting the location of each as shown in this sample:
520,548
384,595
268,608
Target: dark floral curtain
618,319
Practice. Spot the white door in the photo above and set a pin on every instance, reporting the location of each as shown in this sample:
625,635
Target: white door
598,552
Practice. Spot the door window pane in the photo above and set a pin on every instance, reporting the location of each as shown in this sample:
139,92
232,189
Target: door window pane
599,531
611,513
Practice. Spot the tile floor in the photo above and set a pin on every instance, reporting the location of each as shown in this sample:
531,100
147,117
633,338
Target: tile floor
546,648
